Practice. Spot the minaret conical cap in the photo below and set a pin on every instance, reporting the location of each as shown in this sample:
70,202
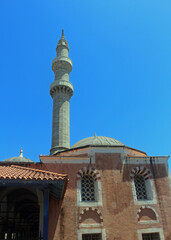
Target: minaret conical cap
62,41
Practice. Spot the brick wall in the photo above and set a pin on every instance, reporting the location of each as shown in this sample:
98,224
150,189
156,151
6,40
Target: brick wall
120,214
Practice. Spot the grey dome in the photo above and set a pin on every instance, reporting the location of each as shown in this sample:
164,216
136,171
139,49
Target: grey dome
97,141
19,159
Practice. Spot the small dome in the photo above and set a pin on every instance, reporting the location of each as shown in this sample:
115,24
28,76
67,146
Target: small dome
19,159
97,141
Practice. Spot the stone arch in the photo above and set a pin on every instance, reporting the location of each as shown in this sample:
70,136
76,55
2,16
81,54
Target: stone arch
145,172
90,215
147,214
90,171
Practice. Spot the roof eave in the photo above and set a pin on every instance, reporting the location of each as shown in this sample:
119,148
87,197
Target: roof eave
100,146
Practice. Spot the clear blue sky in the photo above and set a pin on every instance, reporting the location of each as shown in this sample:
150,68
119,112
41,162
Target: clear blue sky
121,53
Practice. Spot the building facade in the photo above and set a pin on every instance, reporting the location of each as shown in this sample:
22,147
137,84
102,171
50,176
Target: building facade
114,192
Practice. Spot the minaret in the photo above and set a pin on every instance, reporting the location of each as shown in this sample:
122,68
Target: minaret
61,91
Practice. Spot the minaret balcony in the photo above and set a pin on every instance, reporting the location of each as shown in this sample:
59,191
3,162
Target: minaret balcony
61,85
62,63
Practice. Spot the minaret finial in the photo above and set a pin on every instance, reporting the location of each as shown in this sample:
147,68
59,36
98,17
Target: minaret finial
21,153
62,43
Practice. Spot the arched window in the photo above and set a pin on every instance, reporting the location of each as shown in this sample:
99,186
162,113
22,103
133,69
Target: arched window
88,188
89,192
140,187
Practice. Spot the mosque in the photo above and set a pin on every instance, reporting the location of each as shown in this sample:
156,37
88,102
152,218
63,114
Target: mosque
98,189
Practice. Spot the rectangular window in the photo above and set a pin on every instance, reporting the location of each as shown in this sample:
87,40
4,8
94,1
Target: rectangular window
151,236
93,236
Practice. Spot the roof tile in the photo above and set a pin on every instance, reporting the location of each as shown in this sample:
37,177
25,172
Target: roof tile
18,172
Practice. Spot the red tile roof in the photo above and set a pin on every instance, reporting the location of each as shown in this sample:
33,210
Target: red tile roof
24,173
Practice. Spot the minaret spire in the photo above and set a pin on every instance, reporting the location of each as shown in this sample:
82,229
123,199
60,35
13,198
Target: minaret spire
61,91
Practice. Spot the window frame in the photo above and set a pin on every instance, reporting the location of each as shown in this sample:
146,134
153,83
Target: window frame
91,235
150,191
98,194
143,185
151,237
94,188
150,230
91,231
